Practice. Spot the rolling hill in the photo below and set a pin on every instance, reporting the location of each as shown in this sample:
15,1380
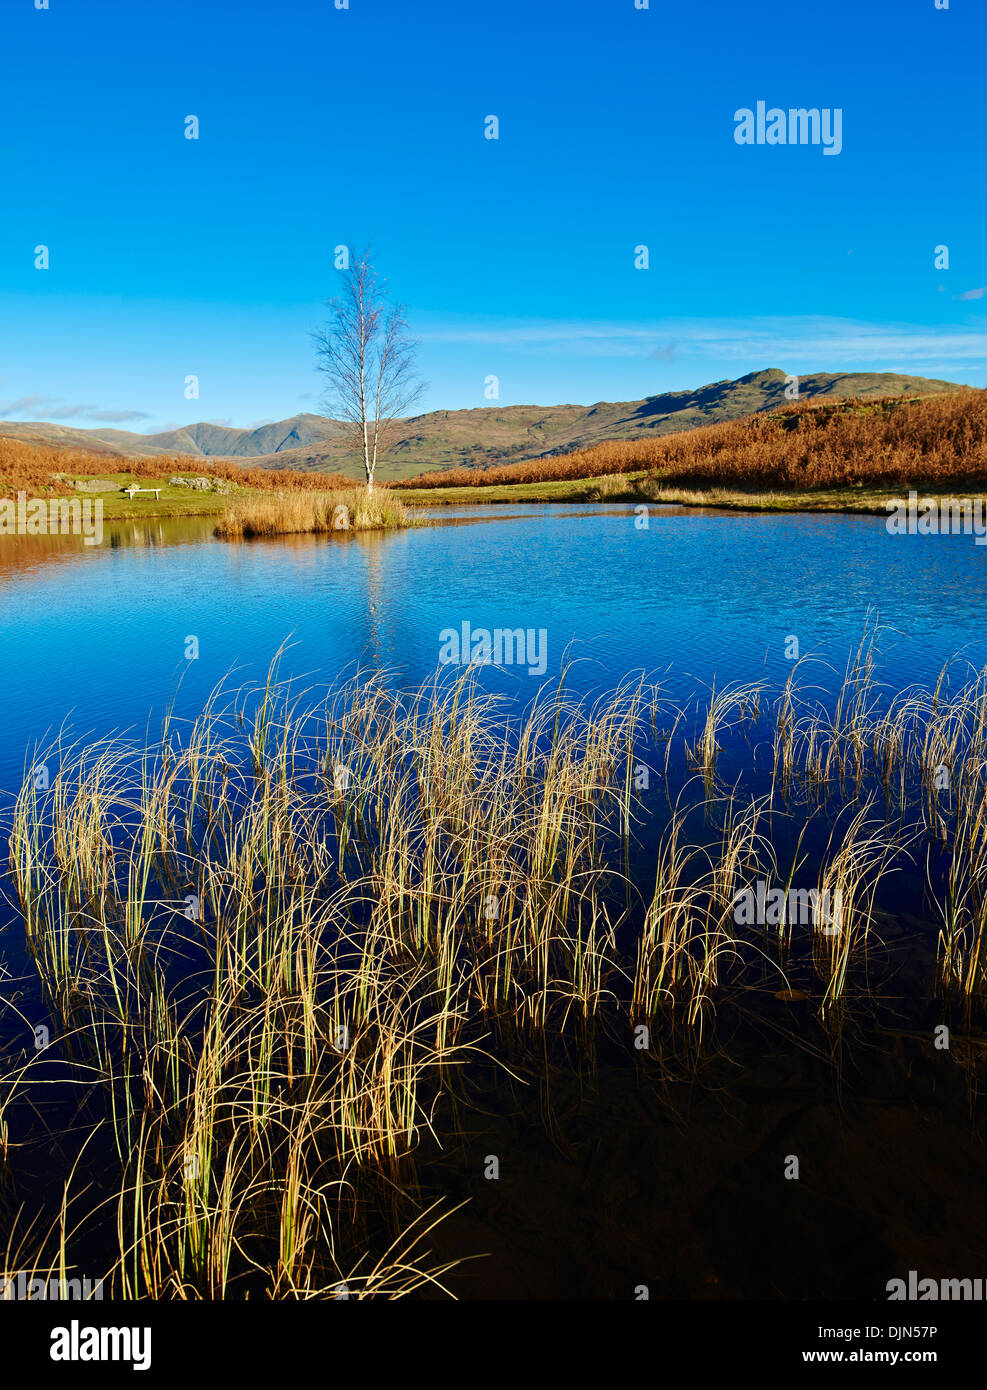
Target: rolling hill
491,435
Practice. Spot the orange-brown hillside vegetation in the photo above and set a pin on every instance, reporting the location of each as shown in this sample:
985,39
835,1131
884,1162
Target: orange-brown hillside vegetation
890,442
33,469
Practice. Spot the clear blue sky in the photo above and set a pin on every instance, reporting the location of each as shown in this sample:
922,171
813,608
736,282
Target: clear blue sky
515,257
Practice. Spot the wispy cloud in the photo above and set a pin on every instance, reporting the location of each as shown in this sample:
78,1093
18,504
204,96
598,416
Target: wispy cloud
49,407
974,294
69,412
769,341
119,416
25,404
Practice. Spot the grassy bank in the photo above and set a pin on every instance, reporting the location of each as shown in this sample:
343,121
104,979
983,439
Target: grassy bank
245,501
635,488
284,952
269,512
173,501
631,488
43,472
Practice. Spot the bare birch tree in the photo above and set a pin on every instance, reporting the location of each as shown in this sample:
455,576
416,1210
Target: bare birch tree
368,358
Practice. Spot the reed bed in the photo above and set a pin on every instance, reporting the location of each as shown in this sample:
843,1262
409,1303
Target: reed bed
356,509
279,950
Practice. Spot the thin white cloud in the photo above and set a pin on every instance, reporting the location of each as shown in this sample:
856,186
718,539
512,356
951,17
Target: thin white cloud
119,416
48,406
25,404
69,412
769,341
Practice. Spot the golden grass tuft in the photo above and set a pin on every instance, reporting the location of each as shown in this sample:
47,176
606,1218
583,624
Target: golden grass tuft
299,513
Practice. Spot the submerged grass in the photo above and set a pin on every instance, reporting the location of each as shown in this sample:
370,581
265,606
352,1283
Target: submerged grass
272,950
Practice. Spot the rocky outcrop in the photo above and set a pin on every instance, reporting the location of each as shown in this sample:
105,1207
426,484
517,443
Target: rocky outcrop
219,485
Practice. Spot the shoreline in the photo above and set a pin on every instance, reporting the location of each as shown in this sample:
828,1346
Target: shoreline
846,501
630,489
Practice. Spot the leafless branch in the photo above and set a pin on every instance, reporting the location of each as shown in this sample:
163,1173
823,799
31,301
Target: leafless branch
367,357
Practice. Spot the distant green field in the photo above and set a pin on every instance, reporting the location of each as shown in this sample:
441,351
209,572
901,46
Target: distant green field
174,501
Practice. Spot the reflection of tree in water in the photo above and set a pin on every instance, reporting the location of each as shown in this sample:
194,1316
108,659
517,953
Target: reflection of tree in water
375,599
139,533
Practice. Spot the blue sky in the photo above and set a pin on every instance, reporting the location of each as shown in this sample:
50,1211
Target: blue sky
515,257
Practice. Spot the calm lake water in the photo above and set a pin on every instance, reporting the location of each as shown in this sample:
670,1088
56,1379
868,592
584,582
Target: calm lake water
96,637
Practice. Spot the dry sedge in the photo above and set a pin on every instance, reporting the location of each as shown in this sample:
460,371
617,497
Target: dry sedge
271,946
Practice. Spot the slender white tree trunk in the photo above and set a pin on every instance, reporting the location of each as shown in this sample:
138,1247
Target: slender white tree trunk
368,466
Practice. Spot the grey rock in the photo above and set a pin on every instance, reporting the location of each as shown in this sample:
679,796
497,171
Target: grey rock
95,485
199,484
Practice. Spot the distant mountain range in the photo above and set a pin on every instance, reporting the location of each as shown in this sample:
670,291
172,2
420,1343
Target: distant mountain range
477,438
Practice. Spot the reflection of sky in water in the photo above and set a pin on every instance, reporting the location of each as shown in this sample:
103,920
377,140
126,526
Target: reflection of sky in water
98,635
